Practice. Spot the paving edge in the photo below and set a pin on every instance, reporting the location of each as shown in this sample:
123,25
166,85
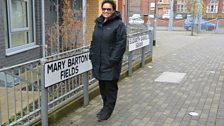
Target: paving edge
77,101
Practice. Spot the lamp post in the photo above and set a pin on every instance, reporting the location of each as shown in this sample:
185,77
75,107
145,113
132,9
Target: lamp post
148,15
154,24
170,25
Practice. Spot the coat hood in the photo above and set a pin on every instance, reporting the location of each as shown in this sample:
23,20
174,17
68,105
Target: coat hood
115,16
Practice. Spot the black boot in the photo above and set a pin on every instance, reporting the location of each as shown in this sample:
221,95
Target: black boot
103,116
99,113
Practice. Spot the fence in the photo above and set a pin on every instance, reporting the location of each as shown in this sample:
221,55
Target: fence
20,94
21,86
219,26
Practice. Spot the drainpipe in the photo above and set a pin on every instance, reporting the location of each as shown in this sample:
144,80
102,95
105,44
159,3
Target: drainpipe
44,95
124,11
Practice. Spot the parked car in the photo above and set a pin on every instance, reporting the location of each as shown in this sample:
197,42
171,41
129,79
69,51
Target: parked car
165,16
205,25
179,16
136,21
151,16
134,16
189,16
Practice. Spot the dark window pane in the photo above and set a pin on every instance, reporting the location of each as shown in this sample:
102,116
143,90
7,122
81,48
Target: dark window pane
19,38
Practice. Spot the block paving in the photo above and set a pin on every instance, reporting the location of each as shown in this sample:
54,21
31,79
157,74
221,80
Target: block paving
144,102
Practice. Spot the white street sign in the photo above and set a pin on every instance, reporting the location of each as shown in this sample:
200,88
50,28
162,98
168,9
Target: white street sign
139,41
57,71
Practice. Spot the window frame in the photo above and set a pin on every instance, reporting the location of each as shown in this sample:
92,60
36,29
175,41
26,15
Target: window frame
30,29
213,3
181,6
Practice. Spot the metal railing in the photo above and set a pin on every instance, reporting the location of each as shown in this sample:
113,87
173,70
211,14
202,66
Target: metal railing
20,87
219,26
20,93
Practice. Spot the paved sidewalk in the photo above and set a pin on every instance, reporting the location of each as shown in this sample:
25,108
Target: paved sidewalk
142,101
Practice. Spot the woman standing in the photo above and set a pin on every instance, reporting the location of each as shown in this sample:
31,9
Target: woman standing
106,53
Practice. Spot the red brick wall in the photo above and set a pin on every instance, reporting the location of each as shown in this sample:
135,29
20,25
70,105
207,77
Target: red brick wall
120,6
144,6
220,6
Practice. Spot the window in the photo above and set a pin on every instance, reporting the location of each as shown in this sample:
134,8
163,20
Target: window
181,6
212,6
76,6
19,18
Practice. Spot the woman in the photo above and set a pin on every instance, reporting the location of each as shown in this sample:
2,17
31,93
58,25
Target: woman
106,53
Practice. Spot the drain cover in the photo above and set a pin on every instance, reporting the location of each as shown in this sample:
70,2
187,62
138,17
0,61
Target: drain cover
170,77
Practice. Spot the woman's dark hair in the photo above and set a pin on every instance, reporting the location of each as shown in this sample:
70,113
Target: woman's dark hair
110,2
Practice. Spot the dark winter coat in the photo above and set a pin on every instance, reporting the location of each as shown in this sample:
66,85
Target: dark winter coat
107,47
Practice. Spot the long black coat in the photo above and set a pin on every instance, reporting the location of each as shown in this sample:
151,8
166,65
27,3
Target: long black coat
107,47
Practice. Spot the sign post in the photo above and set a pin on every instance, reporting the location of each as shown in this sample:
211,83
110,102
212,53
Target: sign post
44,97
137,41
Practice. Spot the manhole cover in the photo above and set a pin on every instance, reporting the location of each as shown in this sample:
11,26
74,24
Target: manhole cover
170,77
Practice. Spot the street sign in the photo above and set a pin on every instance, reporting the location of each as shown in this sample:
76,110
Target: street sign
57,71
137,41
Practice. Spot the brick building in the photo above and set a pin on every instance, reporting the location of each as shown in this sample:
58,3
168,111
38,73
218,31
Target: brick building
214,8
144,4
211,8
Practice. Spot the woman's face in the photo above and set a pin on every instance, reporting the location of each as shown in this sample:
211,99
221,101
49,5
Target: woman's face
107,10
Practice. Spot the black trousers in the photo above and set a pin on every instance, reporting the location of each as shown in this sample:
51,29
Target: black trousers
108,91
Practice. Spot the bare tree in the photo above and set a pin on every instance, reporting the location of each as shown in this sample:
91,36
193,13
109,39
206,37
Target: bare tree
66,35
196,8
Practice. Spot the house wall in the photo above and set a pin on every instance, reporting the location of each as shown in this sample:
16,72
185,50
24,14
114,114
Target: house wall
2,39
122,9
92,12
164,5
50,10
24,56
144,6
